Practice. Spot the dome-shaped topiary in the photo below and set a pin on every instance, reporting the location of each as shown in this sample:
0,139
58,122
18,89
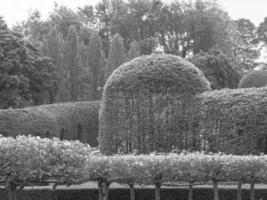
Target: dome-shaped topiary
257,78
144,104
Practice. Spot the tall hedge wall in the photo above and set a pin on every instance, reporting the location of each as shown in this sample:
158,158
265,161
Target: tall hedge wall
257,78
231,121
73,121
145,103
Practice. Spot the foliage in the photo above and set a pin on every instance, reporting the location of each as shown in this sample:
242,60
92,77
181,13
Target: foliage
95,64
55,52
247,51
217,68
145,104
63,18
28,160
231,121
182,168
19,61
257,78
134,50
116,55
71,58
262,31
71,121
43,81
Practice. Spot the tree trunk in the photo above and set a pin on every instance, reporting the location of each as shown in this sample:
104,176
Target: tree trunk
12,191
190,192
239,190
100,190
215,190
157,191
106,188
132,192
252,191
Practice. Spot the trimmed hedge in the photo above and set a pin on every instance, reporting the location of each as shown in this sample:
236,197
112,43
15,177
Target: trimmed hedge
257,78
231,121
72,121
29,160
145,103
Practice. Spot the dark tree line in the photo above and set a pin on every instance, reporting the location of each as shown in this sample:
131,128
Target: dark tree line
87,44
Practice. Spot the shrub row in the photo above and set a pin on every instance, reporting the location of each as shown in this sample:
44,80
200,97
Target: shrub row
230,121
72,121
29,160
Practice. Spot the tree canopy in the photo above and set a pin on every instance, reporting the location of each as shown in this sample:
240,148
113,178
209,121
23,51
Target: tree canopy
19,63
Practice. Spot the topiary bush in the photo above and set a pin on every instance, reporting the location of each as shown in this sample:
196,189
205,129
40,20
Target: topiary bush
231,121
145,103
257,78
71,121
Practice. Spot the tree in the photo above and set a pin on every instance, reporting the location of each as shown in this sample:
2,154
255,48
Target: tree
217,68
34,29
262,31
43,81
19,60
134,50
94,62
54,47
116,55
64,18
246,51
71,58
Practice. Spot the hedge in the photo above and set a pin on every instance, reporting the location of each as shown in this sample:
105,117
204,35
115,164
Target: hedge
30,160
231,121
257,78
145,103
27,160
70,121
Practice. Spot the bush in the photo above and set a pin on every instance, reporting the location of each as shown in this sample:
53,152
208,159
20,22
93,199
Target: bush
255,79
30,160
72,121
231,121
145,103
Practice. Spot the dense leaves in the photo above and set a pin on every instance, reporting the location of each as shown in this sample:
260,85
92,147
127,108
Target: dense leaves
19,61
217,68
30,160
257,78
231,121
70,121
145,104
27,160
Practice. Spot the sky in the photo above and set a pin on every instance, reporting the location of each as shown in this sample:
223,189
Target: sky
15,11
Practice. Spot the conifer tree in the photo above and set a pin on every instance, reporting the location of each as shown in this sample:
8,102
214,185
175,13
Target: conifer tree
94,63
116,55
54,51
134,50
44,48
71,60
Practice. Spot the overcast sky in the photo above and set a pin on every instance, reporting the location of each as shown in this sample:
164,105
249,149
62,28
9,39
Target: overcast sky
18,10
